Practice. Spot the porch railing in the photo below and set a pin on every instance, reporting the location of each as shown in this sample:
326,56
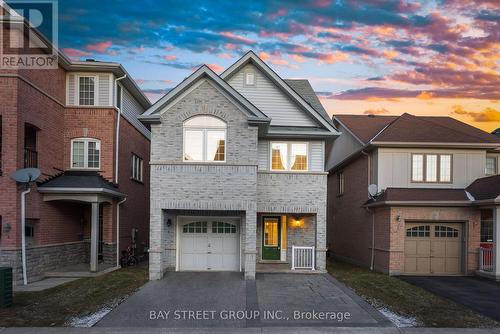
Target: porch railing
486,259
303,257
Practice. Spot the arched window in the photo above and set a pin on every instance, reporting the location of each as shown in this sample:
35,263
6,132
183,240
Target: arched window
85,153
205,139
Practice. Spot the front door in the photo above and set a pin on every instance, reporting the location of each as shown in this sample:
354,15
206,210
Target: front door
271,238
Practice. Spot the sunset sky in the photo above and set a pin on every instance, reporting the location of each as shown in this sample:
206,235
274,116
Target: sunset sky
383,57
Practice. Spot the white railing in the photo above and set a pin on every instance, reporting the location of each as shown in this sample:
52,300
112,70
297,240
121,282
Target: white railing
486,259
303,257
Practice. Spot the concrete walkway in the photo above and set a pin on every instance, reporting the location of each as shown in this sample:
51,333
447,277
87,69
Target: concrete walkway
479,294
226,300
47,283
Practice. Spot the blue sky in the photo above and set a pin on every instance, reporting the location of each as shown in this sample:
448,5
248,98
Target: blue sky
371,56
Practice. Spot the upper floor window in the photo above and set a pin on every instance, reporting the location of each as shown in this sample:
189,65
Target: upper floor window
86,90
289,156
491,165
249,78
137,166
341,183
435,168
30,151
205,139
85,153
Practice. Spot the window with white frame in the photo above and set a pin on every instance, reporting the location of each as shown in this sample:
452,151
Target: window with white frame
205,139
249,78
432,168
289,156
491,165
85,153
86,90
137,166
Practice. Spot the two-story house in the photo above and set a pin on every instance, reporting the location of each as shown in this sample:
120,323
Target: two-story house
237,171
78,124
433,204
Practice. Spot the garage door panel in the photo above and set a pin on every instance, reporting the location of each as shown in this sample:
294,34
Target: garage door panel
213,244
433,248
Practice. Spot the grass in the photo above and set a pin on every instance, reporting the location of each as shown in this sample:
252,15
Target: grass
408,300
56,306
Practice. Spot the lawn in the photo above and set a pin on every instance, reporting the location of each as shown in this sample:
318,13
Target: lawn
57,306
407,300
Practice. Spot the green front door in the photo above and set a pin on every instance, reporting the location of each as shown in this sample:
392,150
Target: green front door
271,238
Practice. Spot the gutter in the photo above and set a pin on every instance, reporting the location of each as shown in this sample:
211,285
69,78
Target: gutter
119,116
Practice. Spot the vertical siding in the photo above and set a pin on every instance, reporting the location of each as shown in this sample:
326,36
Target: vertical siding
270,99
103,89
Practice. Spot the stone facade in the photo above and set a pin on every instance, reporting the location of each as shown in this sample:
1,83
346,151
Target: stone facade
233,188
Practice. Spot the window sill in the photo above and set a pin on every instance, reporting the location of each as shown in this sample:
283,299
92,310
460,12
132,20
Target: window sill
137,181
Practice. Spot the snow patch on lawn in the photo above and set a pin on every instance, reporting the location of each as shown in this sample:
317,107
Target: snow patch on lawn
397,319
91,319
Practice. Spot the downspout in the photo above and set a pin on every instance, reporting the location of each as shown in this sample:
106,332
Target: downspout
118,114
118,231
23,234
372,260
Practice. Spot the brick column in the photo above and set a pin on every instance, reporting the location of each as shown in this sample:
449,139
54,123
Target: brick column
250,243
321,239
156,258
94,236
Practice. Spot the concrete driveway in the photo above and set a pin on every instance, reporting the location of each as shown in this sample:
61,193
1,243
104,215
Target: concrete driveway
220,299
479,294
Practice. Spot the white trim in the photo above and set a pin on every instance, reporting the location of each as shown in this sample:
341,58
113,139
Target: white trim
86,141
289,156
70,190
77,89
204,130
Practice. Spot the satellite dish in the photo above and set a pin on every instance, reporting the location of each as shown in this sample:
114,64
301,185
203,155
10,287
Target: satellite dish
373,190
26,175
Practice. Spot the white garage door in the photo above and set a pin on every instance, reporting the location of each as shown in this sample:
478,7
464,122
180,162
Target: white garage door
209,244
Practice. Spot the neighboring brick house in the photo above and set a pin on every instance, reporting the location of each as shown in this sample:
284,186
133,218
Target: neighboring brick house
437,204
64,122
237,170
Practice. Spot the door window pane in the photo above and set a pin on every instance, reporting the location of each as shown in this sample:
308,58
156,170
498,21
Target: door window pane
271,232
279,156
193,146
298,156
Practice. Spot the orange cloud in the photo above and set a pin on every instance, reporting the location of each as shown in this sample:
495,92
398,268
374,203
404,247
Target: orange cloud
264,56
215,67
75,53
298,59
390,54
170,57
224,56
101,47
335,57
487,115
376,111
238,38
425,95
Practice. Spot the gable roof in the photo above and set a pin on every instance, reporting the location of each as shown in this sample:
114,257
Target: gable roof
304,89
251,57
410,129
485,188
152,114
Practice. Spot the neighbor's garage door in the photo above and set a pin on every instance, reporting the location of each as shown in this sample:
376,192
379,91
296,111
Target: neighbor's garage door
433,248
209,244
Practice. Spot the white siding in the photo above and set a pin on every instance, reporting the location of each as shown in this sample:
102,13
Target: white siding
394,167
316,155
104,90
71,86
266,96
131,109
